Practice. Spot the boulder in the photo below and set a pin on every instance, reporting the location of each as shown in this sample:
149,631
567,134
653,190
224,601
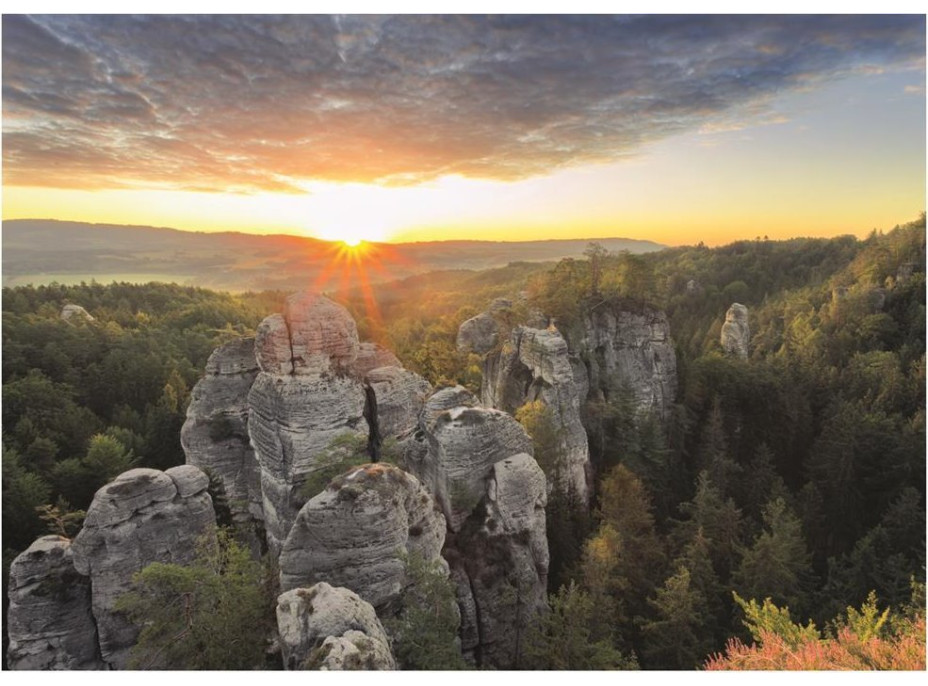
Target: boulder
69,312
736,334
323,335
478,334
464,444
49,620
142,516
357,532
215,435
373,356
399,396
328,628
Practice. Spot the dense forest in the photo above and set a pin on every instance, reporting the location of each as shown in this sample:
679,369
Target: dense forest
791,479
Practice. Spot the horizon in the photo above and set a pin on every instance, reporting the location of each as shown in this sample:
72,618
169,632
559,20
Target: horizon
675,129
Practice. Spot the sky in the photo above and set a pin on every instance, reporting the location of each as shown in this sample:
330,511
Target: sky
673,128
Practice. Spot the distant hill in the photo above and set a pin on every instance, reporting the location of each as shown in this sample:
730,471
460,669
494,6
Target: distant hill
40,251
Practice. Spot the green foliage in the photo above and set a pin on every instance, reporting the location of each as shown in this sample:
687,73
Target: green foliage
763,619
345,451
215,613
778,564
23,494
563,638
60,519
426,629
676,637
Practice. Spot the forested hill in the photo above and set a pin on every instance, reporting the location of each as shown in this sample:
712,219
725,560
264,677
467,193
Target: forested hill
795,474
39,251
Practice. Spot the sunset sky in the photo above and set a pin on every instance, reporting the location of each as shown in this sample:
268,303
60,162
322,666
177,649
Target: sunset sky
670,128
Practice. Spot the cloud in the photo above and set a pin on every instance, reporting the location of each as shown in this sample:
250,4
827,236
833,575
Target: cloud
268,102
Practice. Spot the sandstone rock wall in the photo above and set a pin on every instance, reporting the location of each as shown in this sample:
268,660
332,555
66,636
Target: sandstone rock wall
736,334
358,531
49,621
143,516
215,435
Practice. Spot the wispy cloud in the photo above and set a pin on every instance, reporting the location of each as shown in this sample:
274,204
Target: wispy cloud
267,102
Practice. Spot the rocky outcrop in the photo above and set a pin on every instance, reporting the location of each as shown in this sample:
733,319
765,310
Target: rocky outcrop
631,349
499,561
76,312
535,367
357,532
215,435
478,334
476,463
143,516
328,628
50,622
464,442
736,334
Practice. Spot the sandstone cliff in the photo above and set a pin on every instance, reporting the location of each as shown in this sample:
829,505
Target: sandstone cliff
736,334
215,434
50,622
143,516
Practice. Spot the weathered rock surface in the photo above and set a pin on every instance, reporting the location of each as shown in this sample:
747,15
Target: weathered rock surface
464,444
75,311
478,334
292,420
143,516
736,334
499,561
333,628
215,435
323,335
372,356
50,622
400,395
634,349
535,366
357,531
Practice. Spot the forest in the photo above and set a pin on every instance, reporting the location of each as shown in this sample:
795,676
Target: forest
777,518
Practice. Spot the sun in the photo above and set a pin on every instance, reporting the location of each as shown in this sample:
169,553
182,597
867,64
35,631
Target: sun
352,242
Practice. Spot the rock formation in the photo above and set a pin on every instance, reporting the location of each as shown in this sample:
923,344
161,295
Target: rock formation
493,494
478,334
357,532
535,366
736,334
49,621
215,435
328,628
143,516
633,349
75,311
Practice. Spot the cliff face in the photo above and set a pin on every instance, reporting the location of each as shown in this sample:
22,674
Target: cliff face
50,622
620,347
215,435
476,462
611,348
